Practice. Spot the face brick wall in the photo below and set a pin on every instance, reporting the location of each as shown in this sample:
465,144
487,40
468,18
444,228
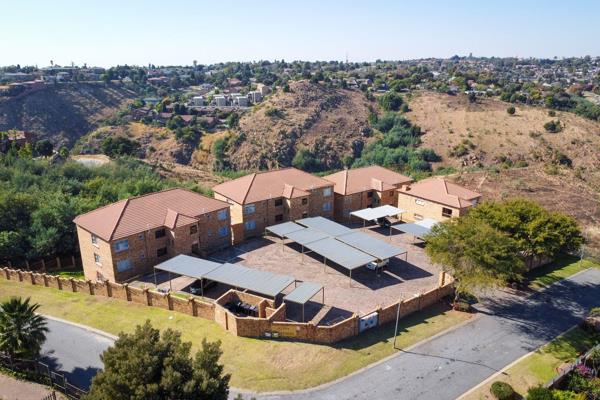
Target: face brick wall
427,210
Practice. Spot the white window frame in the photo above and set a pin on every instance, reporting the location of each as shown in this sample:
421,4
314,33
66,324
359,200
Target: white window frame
249,209
118,247
223,231
420,202
95,240
250,225
121,269
327,192
222,215
97,259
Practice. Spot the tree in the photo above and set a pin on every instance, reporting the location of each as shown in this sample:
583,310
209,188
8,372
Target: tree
150,366
511,110
22,330
390,101
305,160
44,148
474,253
233,120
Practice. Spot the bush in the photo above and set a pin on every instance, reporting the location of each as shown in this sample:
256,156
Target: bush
539,393
553,126
511,110
502,391
567,395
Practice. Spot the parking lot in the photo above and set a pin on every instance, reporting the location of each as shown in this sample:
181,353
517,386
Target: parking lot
343,296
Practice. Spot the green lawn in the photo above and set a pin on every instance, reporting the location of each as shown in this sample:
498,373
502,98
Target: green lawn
78,274
561,268
255,364
540,366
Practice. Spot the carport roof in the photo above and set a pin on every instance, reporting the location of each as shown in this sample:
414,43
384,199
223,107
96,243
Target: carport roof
258,281
370,245
283,229
414,229
324,225
188,266
371,214
303,293
340,253
306,235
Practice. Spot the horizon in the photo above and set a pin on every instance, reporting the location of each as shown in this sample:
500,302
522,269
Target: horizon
147,32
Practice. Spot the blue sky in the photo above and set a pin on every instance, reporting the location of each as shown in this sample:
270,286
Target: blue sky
173,32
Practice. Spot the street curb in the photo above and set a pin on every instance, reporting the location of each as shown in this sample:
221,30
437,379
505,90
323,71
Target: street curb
358,371
518,360
84,327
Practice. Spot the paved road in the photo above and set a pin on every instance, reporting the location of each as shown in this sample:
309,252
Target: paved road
74,351
443,368
449,365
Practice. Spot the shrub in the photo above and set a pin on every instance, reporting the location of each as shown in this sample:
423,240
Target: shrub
552,113
511,110
539,393
502,391
567,395
553,126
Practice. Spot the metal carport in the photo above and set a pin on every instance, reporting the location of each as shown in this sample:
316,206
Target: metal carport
262,282
303,293
370,245
418,229
373,214
185,265
324,225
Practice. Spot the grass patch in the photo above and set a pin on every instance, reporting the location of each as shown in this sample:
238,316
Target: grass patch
561,268
255,364
69,274
541,365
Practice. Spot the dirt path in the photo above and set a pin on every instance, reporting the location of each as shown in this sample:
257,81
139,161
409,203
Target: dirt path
14,389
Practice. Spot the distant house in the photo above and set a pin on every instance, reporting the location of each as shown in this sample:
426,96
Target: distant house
266,198
263,89
198,101
127,238
239,100
255,97
360,188
15,138
435,198
220,101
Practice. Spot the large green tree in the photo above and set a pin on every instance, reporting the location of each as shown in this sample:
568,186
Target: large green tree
22,330
150,366
537,231
474,253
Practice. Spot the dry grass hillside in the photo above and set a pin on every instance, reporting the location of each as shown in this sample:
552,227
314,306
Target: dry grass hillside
322,120
62,113
491,136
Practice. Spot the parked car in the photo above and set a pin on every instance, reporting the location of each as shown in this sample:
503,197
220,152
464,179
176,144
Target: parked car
196,287
384,222
379,264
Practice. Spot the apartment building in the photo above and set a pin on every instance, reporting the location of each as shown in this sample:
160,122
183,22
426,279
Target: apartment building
435,198
360,188
127,238
267,198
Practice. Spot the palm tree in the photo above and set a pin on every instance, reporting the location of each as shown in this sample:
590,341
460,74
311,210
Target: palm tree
22,331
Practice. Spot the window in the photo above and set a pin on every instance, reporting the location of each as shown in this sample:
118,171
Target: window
161,252
250,225
222,215
304,201
278,202
160,233
193,229
97,259
446,212
391,193
123,265
249,209
121,245
327,192
417,217
141,236
279,218
94,240
370,194
327,206
420,202
223,231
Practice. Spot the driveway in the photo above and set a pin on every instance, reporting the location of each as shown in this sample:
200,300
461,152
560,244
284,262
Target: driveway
447,366
75,351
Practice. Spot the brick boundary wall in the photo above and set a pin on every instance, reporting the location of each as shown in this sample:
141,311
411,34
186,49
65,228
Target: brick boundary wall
270,323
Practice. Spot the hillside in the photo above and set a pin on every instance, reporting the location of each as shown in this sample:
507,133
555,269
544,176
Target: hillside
62,113
322,120
490,136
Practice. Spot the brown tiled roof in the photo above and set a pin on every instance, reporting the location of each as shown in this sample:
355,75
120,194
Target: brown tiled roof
170,208
441,191
270,184
358,180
